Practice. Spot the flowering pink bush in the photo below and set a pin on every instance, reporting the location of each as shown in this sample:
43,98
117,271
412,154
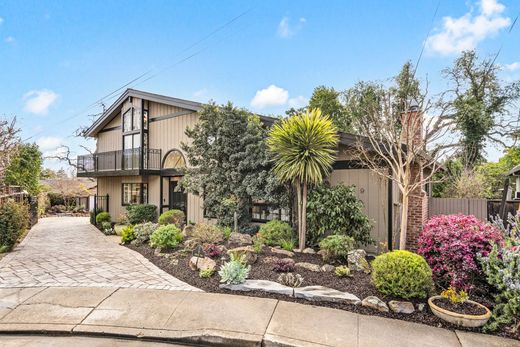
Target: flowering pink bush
451,244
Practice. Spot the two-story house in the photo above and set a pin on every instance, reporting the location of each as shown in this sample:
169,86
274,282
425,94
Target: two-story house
138,159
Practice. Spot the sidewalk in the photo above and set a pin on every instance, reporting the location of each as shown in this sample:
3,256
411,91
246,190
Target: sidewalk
212,319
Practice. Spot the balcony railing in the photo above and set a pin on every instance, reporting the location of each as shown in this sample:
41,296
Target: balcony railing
119,161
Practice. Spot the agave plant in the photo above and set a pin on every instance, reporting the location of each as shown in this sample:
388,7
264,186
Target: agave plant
303,148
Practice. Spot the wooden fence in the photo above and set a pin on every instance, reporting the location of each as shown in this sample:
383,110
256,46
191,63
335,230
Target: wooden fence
476,207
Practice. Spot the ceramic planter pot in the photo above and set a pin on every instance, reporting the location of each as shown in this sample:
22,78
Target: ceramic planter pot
462,320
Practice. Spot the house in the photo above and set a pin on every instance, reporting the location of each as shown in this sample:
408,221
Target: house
138,159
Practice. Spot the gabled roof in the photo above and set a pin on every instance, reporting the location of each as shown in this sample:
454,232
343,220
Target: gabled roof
108,115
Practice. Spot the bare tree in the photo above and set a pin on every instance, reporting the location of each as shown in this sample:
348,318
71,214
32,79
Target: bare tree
403,143
9,141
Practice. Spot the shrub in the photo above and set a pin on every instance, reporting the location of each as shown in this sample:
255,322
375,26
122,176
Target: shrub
206,233
206,273
258,244
455,297
290,280
336,210
166,236
127,234
342,271
227,232
103,217
450,244
106,227
283,265
234,272
403,274
141,213
501,268
288,245
14,219
213,251
274,232
172,217
143,232
336,247
250,229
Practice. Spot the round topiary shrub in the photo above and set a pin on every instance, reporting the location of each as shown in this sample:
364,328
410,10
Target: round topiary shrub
402,274
103,217
166,236
275,232
336,247
172,217
451,244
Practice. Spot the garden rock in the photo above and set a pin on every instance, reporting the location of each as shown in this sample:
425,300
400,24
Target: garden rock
309,251
187,232
319,293
157,251
327,268
248,251
240,239
282,252
421,307
401,306
375,303
260,285
309,266
357,261
197,263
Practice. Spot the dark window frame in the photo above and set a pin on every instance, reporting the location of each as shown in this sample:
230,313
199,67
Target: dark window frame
141,193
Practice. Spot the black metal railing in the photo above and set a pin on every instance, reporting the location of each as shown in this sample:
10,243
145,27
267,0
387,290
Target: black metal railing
128,159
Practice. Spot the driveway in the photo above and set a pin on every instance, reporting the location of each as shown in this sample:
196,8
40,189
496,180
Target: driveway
69,252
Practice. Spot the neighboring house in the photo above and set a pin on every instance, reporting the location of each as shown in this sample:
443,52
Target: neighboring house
138,159
77,189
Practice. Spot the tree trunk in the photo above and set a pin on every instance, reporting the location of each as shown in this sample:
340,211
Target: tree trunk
404,221
304,217
299,211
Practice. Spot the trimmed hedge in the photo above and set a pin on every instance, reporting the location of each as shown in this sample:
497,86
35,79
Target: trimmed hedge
141,213
103,217
172,217
14,219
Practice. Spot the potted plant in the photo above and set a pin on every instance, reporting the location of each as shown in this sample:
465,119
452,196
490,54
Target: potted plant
456,308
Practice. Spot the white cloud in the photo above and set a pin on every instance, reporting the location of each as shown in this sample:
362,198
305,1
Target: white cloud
49,143
287,30
299,101
513,66
9,39
270,96
1,20
39,101
464,33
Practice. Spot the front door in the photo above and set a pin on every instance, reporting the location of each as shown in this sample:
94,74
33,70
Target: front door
178,198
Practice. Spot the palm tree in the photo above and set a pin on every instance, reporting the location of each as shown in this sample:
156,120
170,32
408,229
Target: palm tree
303,148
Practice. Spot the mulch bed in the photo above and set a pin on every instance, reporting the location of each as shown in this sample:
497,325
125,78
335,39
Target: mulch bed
359,285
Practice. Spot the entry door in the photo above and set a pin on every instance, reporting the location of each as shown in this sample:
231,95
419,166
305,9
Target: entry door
178,198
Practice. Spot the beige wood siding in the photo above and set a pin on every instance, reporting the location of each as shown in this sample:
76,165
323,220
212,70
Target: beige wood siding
372,190
109,141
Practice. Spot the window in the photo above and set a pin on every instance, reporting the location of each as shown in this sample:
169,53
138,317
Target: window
131,193
131,120
174,160
132,141
263,212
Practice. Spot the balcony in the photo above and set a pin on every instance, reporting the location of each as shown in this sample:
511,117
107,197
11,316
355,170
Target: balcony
128,162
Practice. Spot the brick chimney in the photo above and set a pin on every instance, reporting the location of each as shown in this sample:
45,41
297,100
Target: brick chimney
418,199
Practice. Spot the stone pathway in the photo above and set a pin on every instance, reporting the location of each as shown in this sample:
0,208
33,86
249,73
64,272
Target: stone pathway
69,252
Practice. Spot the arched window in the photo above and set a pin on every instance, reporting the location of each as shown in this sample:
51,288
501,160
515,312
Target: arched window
174,160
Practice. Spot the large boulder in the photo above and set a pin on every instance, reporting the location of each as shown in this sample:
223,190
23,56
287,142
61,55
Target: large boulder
239,239
247,251
197,263
260,285
357,261
319,293
401,306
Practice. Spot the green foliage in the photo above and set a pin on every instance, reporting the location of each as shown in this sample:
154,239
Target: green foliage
14,219
336,210
142,232
172,217
288,245
234,271
207,233
103,217
494,174
25,167
258,244
166,236
206,273
336,247
141,213
402,274
127,234
342,271
274,232
106,227
329,102
227,232
501,267
230,164
455,297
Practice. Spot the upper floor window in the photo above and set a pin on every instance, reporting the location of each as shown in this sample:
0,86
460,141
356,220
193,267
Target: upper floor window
131,120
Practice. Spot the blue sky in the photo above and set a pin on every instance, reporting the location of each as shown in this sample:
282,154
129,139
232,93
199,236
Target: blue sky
60,57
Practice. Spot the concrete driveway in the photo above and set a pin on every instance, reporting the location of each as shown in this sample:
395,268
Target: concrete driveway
69,252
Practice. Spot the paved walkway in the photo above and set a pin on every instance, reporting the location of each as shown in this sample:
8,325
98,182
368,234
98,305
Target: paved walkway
69,252
212,319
